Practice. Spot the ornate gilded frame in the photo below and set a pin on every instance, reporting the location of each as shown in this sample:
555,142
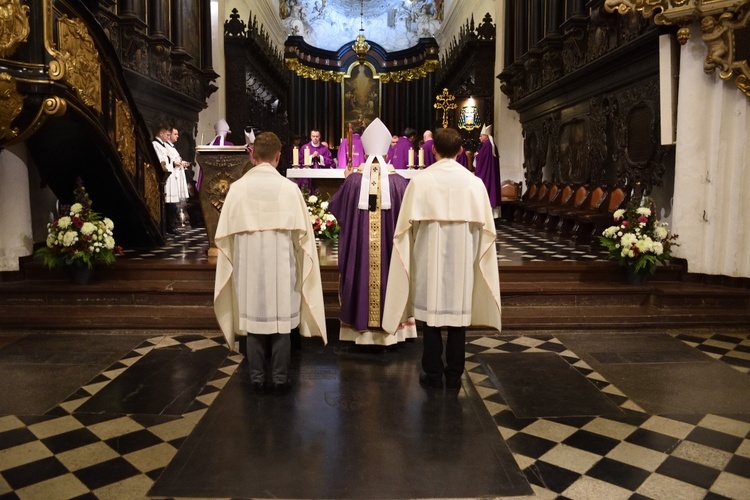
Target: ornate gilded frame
720,22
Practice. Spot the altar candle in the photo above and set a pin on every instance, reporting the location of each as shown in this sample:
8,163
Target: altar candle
307,157
295,157
421,157
411,157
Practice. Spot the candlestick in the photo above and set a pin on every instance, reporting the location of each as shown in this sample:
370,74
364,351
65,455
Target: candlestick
411,157
307,157
295,156
421,157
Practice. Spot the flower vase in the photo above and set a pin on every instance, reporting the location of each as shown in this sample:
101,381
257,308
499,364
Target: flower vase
80,273
637,278
327,249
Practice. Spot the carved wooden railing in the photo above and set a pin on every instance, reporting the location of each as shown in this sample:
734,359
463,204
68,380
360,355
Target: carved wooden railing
63,93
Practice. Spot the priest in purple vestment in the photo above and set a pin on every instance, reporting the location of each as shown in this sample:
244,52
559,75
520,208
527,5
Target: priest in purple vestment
428,154
221,127
358,151
366,207
405,144
318,153
462,158
487,166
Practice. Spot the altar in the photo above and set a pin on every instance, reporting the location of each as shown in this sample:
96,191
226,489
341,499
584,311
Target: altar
328,180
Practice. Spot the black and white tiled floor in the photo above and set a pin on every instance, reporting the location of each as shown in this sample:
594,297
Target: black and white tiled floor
68,454
515,243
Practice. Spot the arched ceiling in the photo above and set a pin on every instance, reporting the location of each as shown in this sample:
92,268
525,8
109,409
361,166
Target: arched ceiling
392,24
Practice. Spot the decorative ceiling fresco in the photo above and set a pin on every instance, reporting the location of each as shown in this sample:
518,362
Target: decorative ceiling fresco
392,24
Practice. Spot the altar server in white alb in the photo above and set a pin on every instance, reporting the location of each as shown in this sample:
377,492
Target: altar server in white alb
444,265
267,272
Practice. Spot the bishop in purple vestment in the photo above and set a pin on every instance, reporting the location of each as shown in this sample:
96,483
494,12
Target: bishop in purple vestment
358,212
487,166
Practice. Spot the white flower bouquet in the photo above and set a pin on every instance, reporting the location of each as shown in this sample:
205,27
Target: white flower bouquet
79,234
324,223
638,239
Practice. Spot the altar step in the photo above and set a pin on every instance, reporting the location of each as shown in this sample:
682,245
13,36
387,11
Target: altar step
537,296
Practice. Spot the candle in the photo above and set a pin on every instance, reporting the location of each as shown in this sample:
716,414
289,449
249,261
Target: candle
421,157
307,157
295,157
411,157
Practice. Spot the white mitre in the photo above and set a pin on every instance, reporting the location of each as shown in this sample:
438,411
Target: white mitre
249,137
487,130
376,139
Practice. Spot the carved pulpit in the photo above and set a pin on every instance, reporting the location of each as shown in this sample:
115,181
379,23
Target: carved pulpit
221,166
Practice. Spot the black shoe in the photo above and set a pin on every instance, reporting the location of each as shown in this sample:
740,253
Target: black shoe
258,387
172,230
430,381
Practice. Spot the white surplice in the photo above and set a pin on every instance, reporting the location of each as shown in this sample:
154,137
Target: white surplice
444,263
267,270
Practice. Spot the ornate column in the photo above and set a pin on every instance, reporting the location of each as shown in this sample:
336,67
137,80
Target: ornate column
156,25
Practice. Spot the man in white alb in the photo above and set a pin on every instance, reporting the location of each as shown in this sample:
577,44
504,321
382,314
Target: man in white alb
444,263
267,272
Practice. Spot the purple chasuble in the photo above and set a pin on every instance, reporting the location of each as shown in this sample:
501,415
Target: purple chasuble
400,158
217,142
462,158
325,160
354,247
358,152
429,156
488,169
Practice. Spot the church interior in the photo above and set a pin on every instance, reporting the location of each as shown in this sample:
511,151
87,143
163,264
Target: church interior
601,384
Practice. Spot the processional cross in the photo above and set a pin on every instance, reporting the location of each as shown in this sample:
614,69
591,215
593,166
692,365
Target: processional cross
445,102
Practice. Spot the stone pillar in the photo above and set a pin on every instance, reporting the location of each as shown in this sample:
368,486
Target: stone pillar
16,238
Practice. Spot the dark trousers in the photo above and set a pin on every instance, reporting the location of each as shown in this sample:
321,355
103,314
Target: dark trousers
171,215
257,347
432,355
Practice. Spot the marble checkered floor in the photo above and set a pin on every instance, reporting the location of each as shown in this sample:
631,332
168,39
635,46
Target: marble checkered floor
106,439
515,243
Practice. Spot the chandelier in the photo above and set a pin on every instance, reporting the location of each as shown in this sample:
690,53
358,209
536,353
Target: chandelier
361,46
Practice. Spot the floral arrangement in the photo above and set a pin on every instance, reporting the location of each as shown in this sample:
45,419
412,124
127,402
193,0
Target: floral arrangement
79,235
638,239
324,223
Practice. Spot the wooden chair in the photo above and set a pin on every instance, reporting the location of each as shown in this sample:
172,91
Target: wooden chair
593,203
552,193
561,199
576,202
510,194
527,197
520,211
588,225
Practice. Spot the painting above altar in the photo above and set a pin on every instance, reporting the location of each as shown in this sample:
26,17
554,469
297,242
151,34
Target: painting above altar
361,90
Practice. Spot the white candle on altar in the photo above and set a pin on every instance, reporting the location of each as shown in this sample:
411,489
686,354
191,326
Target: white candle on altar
295,156
411,157
421,157
307,157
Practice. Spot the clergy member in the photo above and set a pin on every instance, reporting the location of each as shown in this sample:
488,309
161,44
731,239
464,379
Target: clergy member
166,155
267,272
366,206
222,129
391,149
315,152
428,156
444,265
487,167
401,157
180,166
358,152
462,158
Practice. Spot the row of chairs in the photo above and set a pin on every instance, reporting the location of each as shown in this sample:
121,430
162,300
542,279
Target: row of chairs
578,212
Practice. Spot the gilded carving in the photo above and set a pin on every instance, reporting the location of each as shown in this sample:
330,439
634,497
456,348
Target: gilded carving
14,26
81,60
218,187
151,192
719,19
11,104
324,75
125,136
55,106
